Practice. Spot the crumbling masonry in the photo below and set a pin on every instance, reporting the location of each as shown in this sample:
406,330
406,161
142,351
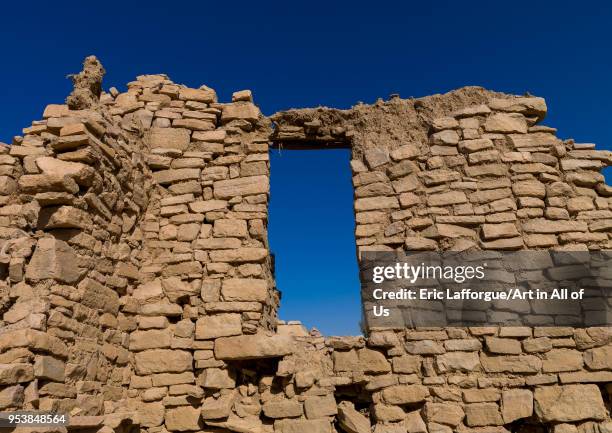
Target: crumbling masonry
138,288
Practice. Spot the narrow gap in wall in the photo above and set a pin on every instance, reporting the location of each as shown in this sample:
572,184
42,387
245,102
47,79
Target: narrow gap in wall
312,236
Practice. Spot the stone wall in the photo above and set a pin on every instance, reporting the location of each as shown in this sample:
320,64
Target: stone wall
138,285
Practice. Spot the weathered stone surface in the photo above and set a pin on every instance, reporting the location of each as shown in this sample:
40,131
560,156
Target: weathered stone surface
218,325
241,111
457,361
516,404
444,413
162,361
252,347
482,414
11,374
11,396
168,138
151,339
569,403
405,394
350,420
183,418
511,364
282,409
302,425
241,186
164,177
221,407
244,289
320,407
47,367
54,259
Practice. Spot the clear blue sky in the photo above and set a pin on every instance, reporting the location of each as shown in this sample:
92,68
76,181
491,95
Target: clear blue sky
332,53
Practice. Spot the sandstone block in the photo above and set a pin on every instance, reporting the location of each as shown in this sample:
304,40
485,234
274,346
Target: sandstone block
63,217
496,231
569,403
558,360
506,346
217,408
183,418
446,198
529,106
476,145
373,361
374,203
547,227
302,426
241,186
47,367
405,394
511,364
599,358
413,423
443,413
151,339
240,111
54,259
240,255
11,374
350,420
167,138
230,228
244,289
218,325
282,409
217,378
483,414
457,361
150,414
165,177
11,396
320,407
205,95
506,123
162,361
193,124
516,404
253,347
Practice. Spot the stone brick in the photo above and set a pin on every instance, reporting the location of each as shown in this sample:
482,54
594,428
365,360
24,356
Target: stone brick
282,409
218,325
183,418
241,186
457,361
252,347
11,374
54,259
405,394
569,403
168,138
320,407
443,413
352,421
516,404
244,289
506,123
482,414
47,367
372,361
162,361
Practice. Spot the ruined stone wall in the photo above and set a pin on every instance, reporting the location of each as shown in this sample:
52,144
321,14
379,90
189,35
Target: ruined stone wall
138,282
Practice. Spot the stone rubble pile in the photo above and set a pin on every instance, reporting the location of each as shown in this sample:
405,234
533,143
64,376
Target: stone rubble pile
138,292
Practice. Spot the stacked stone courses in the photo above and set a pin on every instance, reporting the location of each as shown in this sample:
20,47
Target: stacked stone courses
138,287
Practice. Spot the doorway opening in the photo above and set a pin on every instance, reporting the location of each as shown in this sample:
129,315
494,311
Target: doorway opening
311,233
